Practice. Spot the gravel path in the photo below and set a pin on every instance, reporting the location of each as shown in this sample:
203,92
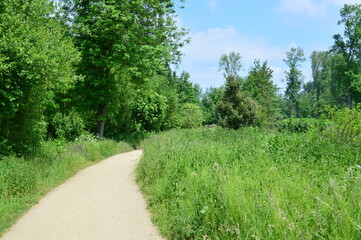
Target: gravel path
101,202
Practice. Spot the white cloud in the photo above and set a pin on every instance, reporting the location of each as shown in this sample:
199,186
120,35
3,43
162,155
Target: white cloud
203,53
211,44
212,4
311,8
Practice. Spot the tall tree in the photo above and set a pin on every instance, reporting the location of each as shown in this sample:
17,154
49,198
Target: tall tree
230,65
120,40
348,47
235,109
36,61
294,78
321,65
261,88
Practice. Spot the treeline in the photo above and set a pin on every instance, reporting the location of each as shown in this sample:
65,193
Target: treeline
254,100
73,67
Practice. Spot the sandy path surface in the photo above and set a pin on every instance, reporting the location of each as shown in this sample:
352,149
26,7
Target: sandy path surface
101,202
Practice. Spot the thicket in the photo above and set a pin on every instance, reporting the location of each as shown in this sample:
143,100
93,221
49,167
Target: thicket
252,184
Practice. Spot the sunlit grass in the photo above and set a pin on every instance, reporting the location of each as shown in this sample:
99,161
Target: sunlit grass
249,184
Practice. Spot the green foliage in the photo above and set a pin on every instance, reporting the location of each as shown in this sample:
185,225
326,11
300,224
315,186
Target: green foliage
260,87
347,127
294,78
120,42
149,111
302,125
250,184
68,126
235,109
347,48
25,180
323,92
191,116
187,91
230,64
36,60
210,100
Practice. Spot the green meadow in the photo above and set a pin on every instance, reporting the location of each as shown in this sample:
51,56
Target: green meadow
252,184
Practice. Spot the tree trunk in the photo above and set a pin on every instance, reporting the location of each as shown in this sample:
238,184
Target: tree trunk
102,110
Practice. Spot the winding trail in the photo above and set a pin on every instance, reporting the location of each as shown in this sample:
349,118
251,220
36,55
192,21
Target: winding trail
101,202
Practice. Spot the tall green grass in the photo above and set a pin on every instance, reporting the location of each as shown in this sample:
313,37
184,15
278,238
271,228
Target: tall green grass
23,181
250,184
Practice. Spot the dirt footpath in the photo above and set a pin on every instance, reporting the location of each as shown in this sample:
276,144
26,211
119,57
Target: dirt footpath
101,202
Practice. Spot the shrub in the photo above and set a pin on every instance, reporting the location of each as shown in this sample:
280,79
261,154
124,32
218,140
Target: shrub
191,116
347,127
149,111
299,125
68,126
244,112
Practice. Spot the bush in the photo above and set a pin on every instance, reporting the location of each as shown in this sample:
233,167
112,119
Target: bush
149,112
68,126
299,125
245,112
191,116
347,127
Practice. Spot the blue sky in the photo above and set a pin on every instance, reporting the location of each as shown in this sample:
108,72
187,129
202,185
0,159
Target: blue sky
257,29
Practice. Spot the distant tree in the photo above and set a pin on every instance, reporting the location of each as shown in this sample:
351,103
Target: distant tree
235,109
210,100
294,78
260,87
230,65
348,49
308,104
321,64
36,61
187,91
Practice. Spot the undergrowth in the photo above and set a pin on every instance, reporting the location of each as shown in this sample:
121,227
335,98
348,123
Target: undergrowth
23,181
250,184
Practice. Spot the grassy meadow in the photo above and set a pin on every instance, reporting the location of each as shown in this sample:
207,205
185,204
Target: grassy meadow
25,180
252,184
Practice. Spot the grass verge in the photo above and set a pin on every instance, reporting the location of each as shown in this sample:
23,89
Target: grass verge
250,184
23,181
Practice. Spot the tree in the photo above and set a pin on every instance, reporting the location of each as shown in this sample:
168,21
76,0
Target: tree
348,47
120,41
36,61
321,64
260,87
210,100
235,109
294,78
187,91
230,65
